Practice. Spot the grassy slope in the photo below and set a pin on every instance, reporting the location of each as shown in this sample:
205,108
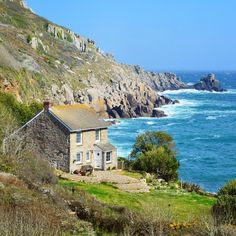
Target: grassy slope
182,206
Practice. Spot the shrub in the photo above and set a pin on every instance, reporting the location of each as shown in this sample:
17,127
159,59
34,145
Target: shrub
27,212
7,125
29,38
224,210
7,163
34,170
69,38
191,187
59,35
154,152
21,112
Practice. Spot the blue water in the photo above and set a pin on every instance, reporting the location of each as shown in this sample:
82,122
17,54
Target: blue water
203,126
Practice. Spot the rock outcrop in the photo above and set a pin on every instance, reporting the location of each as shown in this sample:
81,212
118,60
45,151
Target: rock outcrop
209,83
124,99
160,81
81,43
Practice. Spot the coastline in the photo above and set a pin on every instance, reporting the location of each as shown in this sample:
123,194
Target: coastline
197,121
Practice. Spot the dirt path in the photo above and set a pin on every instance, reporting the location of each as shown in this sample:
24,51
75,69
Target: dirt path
123,182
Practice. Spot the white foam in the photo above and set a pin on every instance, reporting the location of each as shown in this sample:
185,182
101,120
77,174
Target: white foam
182,91
150,123
189,91
211,118
215,136
183,109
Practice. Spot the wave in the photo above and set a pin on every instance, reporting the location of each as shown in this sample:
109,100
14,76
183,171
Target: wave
215,136
180,91
183,109
211,118
191,91
150,123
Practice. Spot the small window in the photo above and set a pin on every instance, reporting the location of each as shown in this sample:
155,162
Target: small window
88,156
79,157
79,137
108,156
97,134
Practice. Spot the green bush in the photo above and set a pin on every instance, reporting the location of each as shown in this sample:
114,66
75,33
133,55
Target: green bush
154,152
69,38
59,35
229,189
21,112
29,38
224,210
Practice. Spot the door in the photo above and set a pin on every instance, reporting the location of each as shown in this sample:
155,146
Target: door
98,159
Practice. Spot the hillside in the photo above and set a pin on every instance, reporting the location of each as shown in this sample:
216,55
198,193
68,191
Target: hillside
41,60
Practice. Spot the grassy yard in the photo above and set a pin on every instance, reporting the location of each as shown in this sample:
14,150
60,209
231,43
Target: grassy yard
181,206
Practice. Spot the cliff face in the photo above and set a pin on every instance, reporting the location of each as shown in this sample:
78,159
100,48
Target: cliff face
41,60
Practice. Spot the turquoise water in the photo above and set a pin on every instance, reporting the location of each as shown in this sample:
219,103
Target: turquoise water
203,126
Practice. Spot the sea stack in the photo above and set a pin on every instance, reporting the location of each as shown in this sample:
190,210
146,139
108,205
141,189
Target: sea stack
209,83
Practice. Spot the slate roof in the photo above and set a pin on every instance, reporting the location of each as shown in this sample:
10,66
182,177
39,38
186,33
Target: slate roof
78,117
105,146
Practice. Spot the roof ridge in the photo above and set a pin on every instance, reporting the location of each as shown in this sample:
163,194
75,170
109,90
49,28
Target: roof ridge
75,106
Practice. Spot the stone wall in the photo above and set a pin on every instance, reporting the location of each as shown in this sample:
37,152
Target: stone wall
50,140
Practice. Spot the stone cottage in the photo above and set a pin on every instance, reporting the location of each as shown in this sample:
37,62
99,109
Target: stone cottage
70,136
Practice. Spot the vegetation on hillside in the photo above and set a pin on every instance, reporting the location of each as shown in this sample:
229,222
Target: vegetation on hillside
14,114
19,111
225,208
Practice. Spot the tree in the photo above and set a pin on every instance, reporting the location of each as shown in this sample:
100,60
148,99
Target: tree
154,152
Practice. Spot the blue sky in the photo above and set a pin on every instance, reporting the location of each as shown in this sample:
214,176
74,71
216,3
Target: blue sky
156,34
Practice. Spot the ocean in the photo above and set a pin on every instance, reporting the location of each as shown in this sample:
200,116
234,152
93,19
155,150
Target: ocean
203,126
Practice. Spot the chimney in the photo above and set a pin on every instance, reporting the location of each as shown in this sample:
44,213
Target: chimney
46,105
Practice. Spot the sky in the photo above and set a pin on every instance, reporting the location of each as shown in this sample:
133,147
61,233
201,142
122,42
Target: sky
155,34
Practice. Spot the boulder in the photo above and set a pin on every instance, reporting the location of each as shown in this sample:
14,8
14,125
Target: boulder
68,93
209,83
158,113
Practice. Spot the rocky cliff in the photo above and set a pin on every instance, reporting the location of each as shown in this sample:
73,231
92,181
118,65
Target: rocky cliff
41,60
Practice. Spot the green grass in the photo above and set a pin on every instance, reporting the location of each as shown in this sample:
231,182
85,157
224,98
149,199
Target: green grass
182,205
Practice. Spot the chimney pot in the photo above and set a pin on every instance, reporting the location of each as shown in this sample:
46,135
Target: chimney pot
46,105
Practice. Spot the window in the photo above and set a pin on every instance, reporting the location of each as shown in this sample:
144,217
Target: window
97,134
88,156
108,156
79,137
79,157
